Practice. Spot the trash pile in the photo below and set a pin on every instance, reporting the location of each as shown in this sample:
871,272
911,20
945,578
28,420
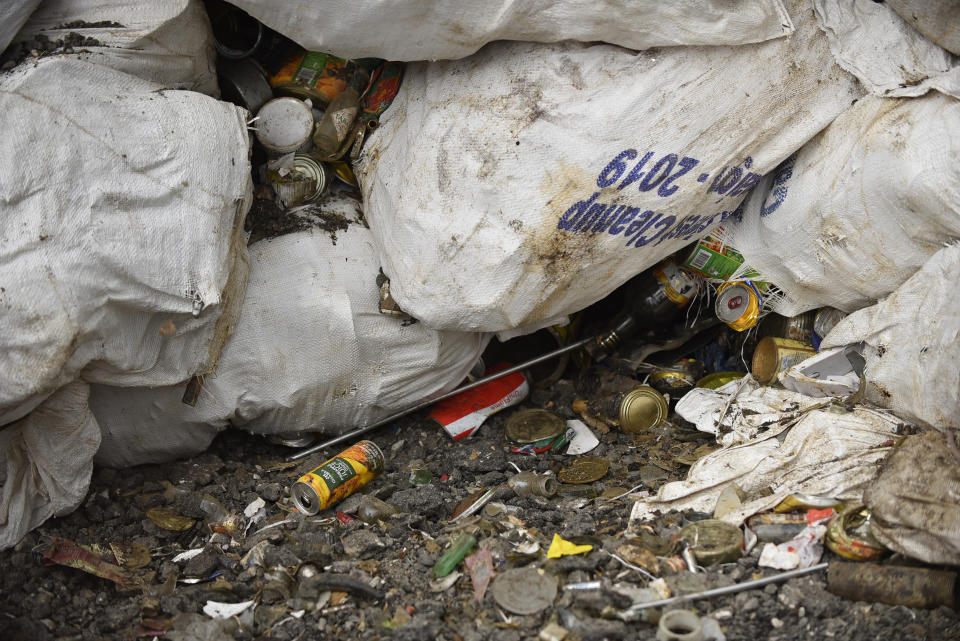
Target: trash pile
618,316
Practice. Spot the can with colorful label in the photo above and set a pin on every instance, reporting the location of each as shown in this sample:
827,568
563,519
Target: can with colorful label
461,415
338,478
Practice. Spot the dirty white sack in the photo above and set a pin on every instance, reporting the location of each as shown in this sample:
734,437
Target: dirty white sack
938,21
860,208
13,13
46,460
912,344
528,181
822,453
169,43
128,222
915,501
311,352
448,29
747,408
883,51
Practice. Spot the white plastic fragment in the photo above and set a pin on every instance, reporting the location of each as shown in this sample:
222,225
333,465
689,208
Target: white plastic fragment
832,372
802,551
583,439
825,451
255,506
186,555
218,610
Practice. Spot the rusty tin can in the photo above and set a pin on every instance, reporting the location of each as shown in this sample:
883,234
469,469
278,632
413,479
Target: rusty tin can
775,355
304,184
338,478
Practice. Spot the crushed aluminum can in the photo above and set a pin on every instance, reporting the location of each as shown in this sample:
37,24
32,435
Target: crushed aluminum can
284,126
461,415
337,478
713,541
775,355
738,304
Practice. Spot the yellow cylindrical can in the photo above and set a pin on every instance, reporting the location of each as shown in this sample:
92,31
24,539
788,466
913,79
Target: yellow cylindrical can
774,355
338,478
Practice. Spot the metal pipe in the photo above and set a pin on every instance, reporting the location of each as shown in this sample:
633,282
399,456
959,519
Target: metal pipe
730,589
349,436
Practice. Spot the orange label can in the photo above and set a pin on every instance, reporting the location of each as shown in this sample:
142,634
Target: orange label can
338,478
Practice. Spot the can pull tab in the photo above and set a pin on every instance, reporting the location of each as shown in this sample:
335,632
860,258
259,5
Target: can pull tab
735,302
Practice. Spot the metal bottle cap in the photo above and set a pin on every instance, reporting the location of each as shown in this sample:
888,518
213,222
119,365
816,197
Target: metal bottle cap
642,409
532,425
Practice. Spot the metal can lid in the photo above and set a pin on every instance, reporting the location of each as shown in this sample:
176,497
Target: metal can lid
284,124
305,183
641,409
584,470
524,590
305,498
532,425
733,302
719,379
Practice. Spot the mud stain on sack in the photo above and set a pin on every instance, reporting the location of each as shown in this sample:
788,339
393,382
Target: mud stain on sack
553,256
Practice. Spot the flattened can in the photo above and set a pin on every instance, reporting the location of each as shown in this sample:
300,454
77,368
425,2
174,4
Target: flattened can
338,478
738,305
774,355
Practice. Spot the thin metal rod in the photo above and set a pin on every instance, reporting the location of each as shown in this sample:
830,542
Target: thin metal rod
349,436
730,589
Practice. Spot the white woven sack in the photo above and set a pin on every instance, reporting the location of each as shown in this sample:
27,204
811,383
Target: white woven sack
912,344
449,29
936,20
883,51
122,216
46,460
311,352
168,42
860,208
528,181
13,13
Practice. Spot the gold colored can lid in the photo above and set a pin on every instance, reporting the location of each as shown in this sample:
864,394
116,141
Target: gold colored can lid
642,409
532,425
584,470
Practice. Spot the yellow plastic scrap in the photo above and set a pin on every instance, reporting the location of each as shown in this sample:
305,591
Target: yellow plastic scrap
560,547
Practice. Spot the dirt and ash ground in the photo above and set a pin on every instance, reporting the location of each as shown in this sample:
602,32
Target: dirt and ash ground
329,577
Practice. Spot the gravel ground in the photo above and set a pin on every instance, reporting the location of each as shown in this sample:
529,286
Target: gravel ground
335,576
